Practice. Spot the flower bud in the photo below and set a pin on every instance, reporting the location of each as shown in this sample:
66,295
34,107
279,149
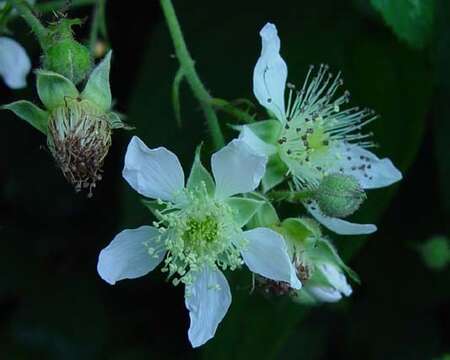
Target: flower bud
79,137
64,55
339,195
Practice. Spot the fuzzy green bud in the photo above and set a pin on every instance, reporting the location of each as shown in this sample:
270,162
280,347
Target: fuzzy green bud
339,195
79,137
64,55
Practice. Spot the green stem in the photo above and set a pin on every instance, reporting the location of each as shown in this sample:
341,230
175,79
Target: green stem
290,196
33,22
94,28
187,64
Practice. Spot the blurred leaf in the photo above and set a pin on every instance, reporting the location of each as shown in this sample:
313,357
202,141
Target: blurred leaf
441,52
436,252
411,20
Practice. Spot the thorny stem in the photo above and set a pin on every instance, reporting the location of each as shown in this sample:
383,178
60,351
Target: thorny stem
33,22
187,64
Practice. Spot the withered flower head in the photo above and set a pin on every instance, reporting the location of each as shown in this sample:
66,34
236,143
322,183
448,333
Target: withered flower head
79,137
78,125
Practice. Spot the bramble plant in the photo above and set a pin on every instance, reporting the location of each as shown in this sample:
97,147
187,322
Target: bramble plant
310,150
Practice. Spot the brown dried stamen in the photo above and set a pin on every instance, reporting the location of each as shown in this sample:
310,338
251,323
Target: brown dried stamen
79,139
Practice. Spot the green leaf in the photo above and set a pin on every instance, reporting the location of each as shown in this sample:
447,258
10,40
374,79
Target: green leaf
411,20
97,88
29,112
53,89
199,175
243,208
276,171
176,95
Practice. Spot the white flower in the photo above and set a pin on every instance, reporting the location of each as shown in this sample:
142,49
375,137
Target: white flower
312,136
14,63
199,230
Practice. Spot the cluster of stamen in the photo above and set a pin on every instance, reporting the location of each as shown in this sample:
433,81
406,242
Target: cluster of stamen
200,233
79,138
315,123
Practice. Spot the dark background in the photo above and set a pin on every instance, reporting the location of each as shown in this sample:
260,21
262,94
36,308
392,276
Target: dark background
53,305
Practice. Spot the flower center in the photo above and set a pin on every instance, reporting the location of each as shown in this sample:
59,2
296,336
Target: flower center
199,233
314,125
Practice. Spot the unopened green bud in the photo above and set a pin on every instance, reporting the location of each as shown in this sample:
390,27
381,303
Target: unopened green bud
64,55
79,137
339,195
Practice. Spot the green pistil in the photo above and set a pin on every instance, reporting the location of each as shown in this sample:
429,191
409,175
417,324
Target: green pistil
200,233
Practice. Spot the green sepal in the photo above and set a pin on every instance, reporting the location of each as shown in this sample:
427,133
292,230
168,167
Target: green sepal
267,130
199,175
265,216
155,207
243,209
97,89
53,89
275,174
303,297
302,231
115,121
328,252
29,112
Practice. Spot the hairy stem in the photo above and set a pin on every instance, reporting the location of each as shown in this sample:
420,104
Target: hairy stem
187,64
33,22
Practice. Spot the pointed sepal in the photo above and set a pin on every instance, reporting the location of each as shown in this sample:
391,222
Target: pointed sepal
243,209
29,112
53,89
97,89
199,175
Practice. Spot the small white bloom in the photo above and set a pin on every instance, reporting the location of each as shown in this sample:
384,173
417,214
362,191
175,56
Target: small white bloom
199,230
14,63
314,136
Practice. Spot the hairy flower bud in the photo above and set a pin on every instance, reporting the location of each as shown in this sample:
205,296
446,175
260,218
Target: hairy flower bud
64,55
339,195
79,137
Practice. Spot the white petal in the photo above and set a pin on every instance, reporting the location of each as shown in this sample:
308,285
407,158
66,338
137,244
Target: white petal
325,294
128,255
336,278
339,226
207,300
237,169
270,73
154,173
14,63
267,255
255,143
370,171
